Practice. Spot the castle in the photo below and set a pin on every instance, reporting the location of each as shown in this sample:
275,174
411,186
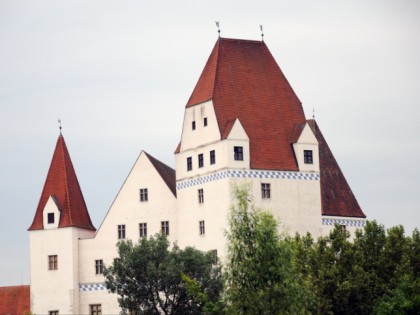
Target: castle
242,124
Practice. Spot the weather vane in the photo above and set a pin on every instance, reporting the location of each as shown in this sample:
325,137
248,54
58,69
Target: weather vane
262,33
218,27
59,125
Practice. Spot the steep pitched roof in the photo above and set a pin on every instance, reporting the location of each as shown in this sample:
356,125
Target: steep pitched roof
15,300
337,199
244,81
167,173
62,183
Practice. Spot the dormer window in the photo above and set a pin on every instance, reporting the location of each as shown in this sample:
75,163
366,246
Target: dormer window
308,157
238,153
51,218
205,121
193,125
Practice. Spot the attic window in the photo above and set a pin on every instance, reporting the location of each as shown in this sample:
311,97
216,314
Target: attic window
193,125
205,121
307,157
238,153
50,218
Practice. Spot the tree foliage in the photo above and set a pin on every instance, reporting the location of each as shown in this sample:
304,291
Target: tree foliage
261,277
148,277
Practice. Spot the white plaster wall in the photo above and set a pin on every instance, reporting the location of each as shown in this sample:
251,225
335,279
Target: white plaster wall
55,289
126,209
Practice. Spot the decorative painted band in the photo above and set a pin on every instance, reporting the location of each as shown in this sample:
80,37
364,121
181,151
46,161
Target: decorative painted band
348,222
246,174
92,286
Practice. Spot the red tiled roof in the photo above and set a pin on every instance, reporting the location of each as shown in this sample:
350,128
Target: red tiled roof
244,81
337,199
62,184
167,173
15,300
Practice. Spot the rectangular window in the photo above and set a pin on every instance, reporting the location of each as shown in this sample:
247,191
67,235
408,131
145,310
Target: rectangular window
200,195
212,157
213,254
165,227
189,163
205,121
144,194
50,221
307,157
193,125
95,309
202,228
265,191
200,160
99,266
239,153
53,313
121,231
143,229
52,262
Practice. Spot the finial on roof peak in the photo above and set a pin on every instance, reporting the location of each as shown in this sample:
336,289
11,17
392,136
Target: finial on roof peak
218,27
59,125
262,33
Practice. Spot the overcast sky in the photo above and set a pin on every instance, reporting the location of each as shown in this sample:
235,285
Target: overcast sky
119,73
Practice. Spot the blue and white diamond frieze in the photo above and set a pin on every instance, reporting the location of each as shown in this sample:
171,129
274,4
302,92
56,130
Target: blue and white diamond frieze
92,286
246,174
347,222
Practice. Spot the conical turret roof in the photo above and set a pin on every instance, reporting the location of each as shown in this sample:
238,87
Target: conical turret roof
63,186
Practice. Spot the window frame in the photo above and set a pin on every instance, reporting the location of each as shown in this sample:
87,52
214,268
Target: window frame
202,227
189,164
164,227
99,266
193,125
265,190
205,122
212,157
200,160
144,195
52,262
51,220
143,229
308,157
238,153
200,192
55,312
95,309
121,232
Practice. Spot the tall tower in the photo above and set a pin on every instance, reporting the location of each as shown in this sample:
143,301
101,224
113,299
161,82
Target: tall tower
61,219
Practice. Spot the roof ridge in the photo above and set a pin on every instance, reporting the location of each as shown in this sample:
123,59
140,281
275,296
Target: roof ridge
66,180
164,171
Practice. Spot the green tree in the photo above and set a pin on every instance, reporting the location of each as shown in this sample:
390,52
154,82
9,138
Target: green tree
148,277
261,277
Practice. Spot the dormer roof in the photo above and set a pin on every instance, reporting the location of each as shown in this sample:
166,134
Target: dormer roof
63,186
337,198
244,81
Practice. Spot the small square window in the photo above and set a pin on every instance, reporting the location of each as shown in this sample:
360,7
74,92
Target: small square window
121,231
193,125
144,196
212,157
95,309
143,229
205,121
52,262
200,160
200,195
53,313
265,191
50,218
238,153
202,228
165,227
99,266
189,163
307,157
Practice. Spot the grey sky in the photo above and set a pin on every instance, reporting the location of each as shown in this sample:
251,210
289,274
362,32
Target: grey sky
119,73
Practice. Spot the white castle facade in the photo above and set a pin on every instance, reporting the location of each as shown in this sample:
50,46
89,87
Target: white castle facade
243,124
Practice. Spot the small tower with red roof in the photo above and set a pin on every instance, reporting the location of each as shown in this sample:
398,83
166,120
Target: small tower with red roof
60,220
